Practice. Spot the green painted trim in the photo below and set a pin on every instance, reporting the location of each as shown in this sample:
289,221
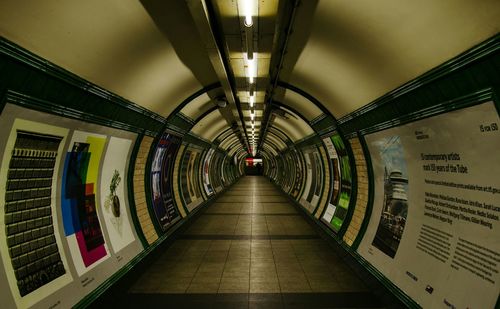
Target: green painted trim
371,194
206,113
194,96
186,118
308,141
196,140
308,96
28,58
468,57
317,119
472,99
44,106
131,193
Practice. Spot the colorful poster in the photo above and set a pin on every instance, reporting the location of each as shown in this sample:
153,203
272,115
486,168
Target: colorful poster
161,175
336,210
189,182
206,170
434,229
299,174
113,184
78,200
30,244
395,206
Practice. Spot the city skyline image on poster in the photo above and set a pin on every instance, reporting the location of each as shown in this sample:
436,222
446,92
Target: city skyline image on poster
433,229
395,204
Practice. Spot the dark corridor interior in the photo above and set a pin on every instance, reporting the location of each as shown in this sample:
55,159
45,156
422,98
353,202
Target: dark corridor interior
251,248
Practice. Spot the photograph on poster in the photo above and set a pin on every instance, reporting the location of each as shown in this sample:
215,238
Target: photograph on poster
436,207
395,204
78,200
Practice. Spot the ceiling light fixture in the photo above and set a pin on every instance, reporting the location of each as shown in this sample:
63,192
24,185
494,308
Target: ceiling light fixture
248,12
252,101
252,68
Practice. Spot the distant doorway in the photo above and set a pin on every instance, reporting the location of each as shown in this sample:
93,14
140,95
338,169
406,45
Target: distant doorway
254,166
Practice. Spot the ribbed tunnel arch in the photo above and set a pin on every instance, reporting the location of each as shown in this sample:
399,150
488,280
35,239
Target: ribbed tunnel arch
321,153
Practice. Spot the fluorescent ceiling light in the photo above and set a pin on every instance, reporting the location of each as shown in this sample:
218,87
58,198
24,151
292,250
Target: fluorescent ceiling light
252,101
252,68
247,12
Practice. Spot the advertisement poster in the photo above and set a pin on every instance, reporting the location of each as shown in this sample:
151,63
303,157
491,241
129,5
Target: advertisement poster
161,170
336,210
82,227
206,178
31,247
299,175
189,183
113,183
434,229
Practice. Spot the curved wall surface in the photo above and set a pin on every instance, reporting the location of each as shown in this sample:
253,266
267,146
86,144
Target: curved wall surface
405,182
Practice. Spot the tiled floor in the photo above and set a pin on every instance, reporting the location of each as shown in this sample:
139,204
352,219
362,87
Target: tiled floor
251,244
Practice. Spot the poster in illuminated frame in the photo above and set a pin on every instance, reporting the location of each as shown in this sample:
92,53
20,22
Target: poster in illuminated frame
338,205
434,226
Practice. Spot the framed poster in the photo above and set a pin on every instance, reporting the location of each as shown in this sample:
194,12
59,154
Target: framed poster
31,247
206,170
338,205
79,205
434,228
53,217
161,179
113,197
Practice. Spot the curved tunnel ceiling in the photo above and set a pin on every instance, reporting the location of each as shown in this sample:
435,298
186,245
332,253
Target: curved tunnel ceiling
114,44
156,54
357,51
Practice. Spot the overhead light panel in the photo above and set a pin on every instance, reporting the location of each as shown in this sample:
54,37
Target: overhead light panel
252,68
252,100
247,12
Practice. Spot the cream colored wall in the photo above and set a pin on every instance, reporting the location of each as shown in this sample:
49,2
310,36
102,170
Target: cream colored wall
114,44
362,192
139,191
360,50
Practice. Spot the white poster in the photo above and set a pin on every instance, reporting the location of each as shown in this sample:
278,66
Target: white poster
113,198
434,229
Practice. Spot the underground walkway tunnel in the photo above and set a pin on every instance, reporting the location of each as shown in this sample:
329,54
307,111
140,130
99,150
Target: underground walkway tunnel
244,153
